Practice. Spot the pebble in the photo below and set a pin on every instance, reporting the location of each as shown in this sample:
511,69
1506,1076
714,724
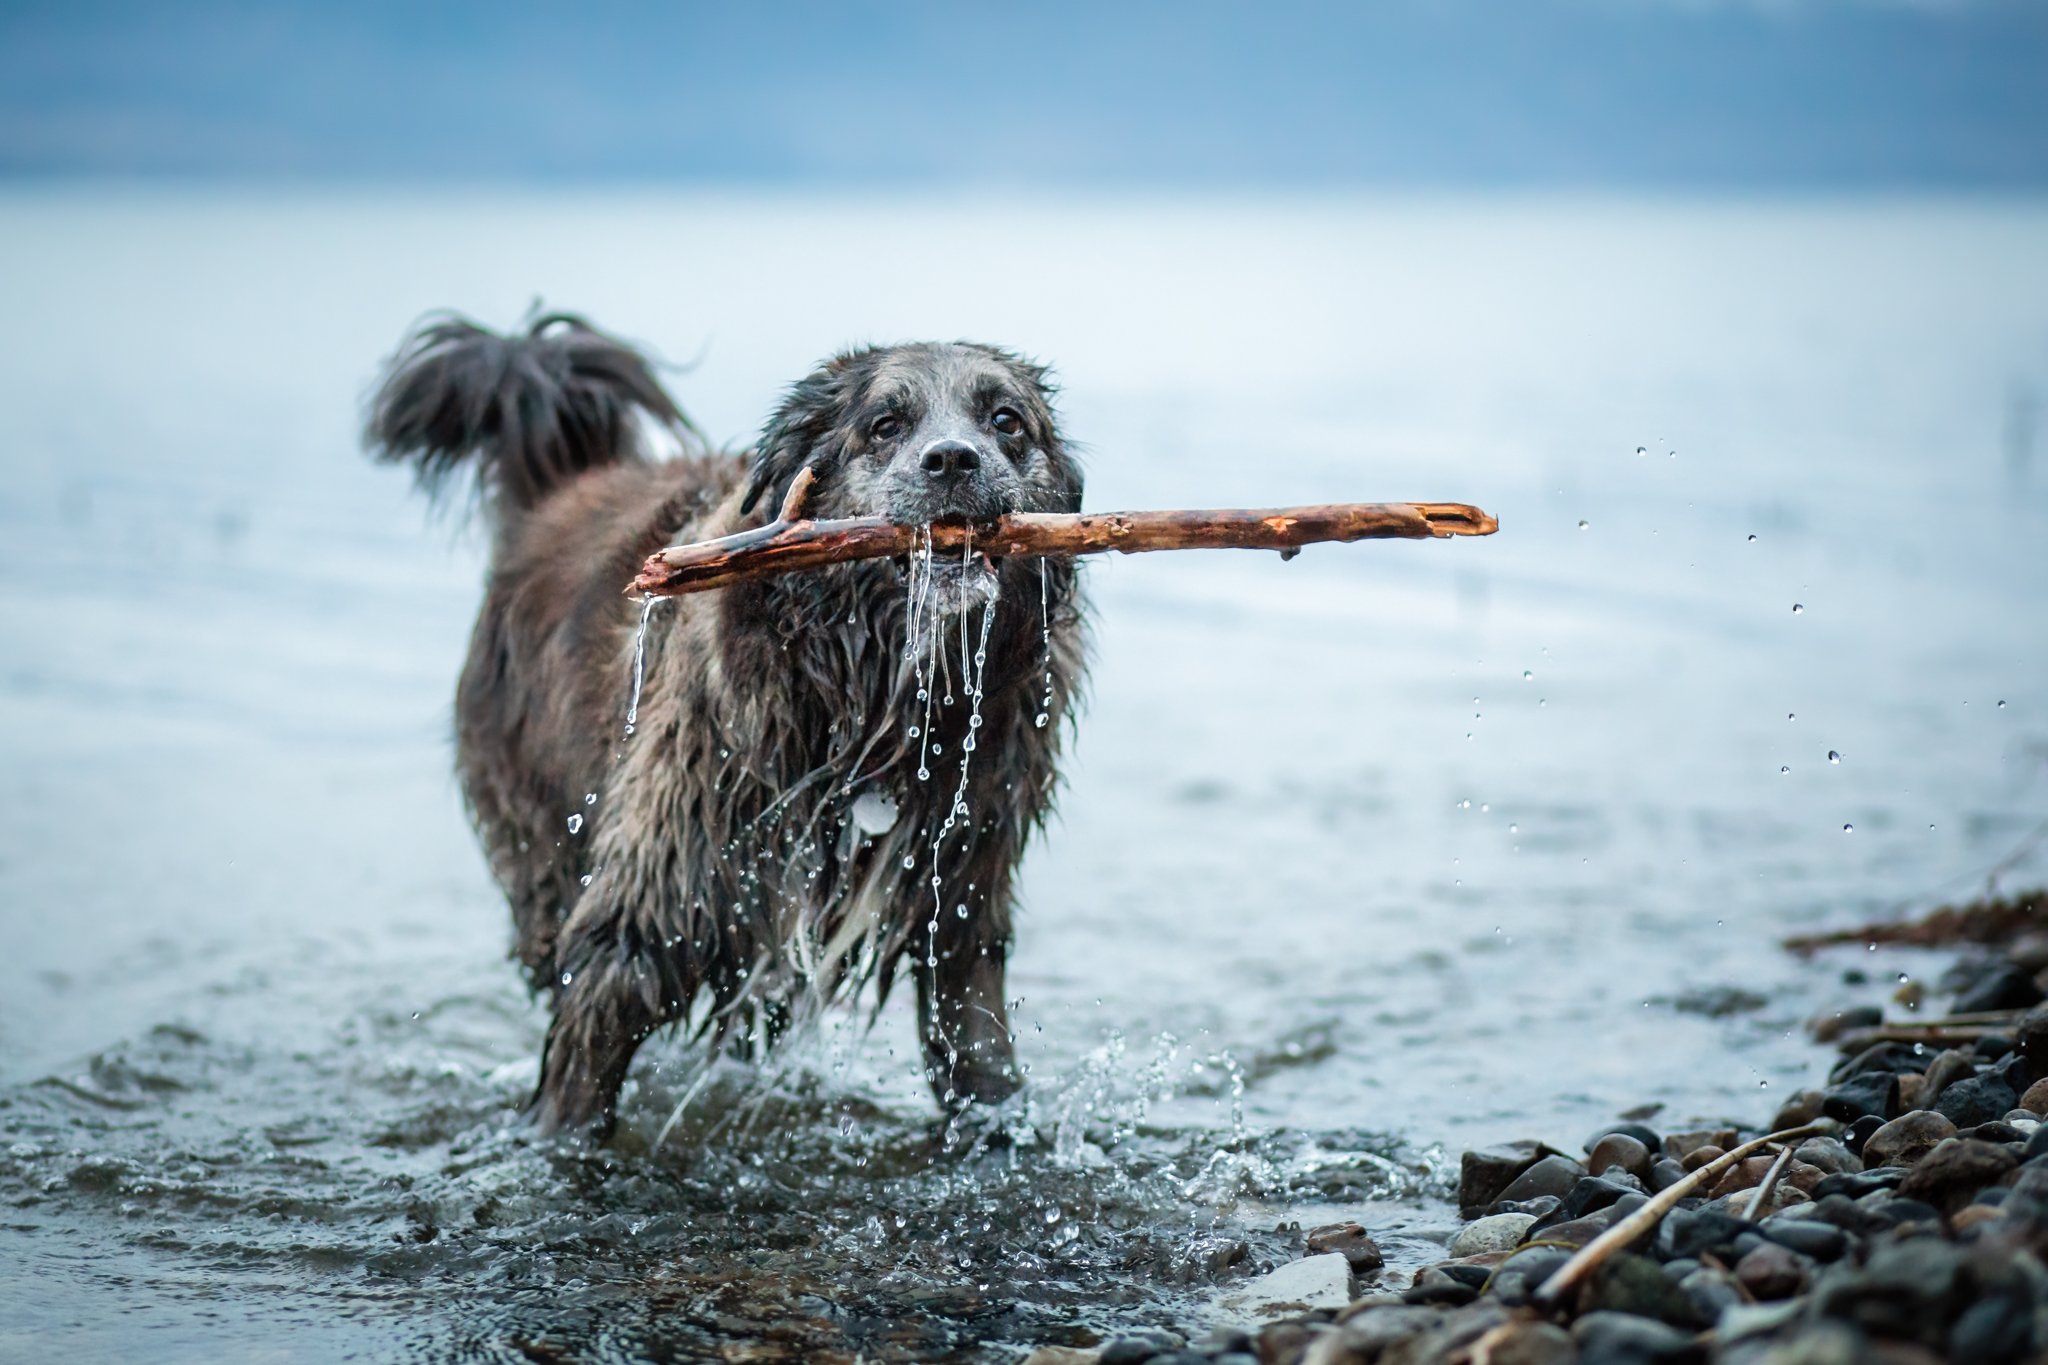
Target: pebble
1628,1283
1553,1175
2030,1035
1772,1271
2005,987
1526,1343
1136,1347
1611,1338
1945,1070
1907,1138
1483,1174
1828,1156
1801,1109
1808,1236
1350,1241
1679,1146
1313,1282
1625,1150
2035,1101
1640,1132
1955,1170
1975,1100
1497,1232
1868,1092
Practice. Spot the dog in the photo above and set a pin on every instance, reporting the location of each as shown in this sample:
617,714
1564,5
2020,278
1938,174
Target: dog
728,810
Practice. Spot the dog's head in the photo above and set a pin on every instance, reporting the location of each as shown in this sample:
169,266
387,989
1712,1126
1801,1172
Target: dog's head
920,433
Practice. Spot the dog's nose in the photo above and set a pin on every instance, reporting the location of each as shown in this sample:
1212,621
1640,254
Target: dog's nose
950,459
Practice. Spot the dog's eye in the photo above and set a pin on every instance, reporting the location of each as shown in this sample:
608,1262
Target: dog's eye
886,427
1006,421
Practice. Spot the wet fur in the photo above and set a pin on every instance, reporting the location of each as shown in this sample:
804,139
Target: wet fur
725,885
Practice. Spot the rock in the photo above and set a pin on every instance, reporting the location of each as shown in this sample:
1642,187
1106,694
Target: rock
1975,1100
1827,1156
1907,1138
1711,1292
1580,1231
1998,1130
1640,1132
2004,987
1350,1241
1436,1285
1621,1339
1367,1335
1681,1145
1955,1170
1801,1109
1970,1215
1623,1150
1553,1175
1595,1192
1881,1058
1133,1348
1062,1355
1913,1092
1908,1289
1285,1341
1483,1174
1773,1272
1854,1136
1944,1071
2030,1035
1832,1024
1688,1233
1664,1173
1995,1328
1749,1173
1526,1343
1498,1232
1867,1092
1783,1196
2037,1145
2035,1101
1807,1236
1302,1286
1516,1279
1628,1283
1701,1156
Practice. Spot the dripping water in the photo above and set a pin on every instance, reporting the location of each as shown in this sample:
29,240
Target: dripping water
639,663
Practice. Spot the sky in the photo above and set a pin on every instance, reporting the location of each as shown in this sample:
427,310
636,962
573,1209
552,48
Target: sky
1656,94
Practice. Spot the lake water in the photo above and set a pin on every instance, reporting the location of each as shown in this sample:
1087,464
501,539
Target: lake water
1364,858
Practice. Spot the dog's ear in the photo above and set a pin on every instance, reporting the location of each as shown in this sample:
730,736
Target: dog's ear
801,431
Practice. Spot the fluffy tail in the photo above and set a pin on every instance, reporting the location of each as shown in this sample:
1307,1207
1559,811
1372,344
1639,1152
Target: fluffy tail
532,410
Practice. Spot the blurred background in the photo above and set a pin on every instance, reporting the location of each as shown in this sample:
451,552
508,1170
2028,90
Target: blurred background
1735,313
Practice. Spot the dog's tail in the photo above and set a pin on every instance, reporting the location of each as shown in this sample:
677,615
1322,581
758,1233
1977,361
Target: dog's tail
531,409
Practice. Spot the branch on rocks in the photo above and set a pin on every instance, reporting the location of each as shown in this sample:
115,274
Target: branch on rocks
1993,920
791,545
1645,1219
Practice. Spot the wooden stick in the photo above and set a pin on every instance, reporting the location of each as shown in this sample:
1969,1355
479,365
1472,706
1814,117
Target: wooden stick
790,545
1625,1232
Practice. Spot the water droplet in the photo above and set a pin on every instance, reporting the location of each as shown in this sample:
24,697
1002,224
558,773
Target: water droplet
1583,524
1041,719
567,977
1798,609
960,912
1528,676
590,798
915,732
1848,829
2001,706
1790,716
1642,451
1834,756
1782,771
584,880
1752,538
1514,829
1052,1215
576,824
910,859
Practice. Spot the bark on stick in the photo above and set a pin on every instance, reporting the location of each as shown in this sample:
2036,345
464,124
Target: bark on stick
789,545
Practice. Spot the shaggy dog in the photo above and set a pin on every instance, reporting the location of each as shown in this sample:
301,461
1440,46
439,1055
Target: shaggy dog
737,806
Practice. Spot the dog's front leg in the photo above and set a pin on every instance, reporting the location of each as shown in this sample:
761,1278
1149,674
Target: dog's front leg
610,997
964,1022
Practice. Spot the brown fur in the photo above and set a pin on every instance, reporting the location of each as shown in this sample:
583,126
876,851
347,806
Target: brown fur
705,865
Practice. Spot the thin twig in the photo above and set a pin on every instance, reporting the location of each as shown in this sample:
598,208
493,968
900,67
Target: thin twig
1762,1198
1643,1220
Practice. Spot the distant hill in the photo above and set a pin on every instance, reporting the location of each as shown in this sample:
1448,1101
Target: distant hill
1451,93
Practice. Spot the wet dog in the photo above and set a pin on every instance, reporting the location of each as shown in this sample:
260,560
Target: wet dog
827,778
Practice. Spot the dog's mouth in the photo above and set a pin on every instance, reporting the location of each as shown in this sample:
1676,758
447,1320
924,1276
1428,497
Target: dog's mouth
949,583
